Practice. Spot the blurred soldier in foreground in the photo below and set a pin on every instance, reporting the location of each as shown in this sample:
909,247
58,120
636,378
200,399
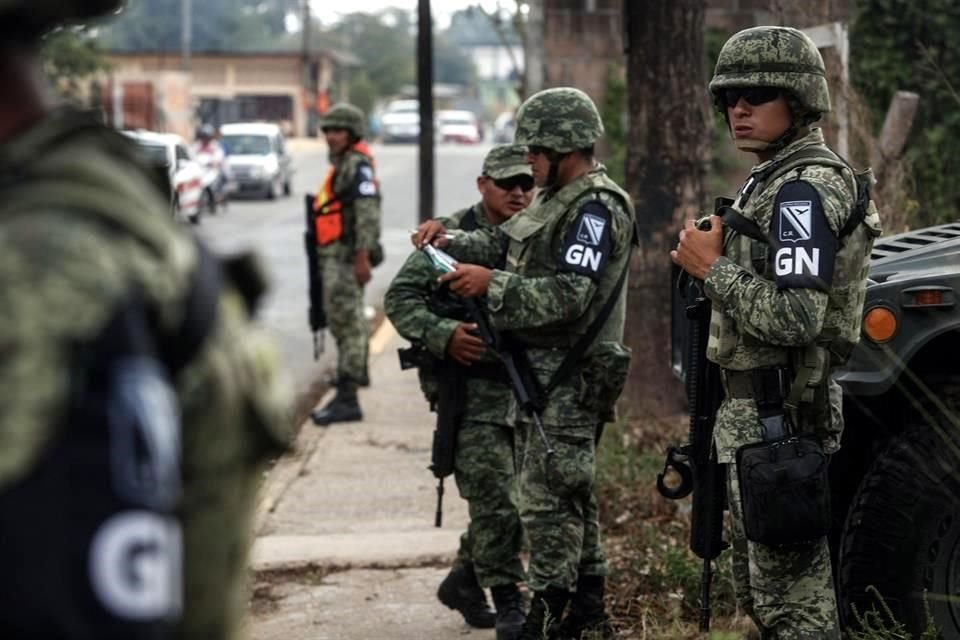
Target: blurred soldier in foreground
138,404
784,265
562,295
455,367
348,238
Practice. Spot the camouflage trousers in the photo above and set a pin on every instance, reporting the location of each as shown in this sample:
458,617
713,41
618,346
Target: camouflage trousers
343,304
484,471
788,592
559,508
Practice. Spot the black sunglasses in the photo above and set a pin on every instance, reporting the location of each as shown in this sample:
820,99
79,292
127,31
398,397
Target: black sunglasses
509,184
755,96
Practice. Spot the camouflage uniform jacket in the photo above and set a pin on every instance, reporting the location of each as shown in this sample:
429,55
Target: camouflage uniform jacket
82,231
564,256
408,305
808,290
356,184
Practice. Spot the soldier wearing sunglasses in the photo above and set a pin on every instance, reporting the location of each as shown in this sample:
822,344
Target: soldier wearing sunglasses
432,318
784,266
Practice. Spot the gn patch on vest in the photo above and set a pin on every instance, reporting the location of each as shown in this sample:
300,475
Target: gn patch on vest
804,246
587,245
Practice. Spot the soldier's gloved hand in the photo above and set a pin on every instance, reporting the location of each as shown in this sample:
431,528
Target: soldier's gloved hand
430,232
465,346
468,280
698,250
362,269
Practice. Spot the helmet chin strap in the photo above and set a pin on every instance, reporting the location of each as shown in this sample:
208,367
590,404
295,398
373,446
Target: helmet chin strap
552,174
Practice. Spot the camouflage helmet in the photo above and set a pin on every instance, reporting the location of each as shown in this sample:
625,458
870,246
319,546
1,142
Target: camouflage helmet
35,17
774,57
344,116
563,119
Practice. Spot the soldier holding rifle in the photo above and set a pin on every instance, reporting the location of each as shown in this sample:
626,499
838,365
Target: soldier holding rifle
561,298
783,266
469,390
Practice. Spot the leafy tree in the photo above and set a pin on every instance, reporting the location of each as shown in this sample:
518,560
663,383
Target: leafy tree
385,45
217,25
70,55
910,45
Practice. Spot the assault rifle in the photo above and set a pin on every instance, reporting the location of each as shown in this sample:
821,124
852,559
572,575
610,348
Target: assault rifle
317,317
696,462
526,388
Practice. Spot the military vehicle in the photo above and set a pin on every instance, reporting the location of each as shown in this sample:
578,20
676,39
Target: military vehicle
896,480
895,484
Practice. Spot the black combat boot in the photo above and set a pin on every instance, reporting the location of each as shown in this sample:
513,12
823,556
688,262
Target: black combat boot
587,612
343,408
546,610
461,591
510,611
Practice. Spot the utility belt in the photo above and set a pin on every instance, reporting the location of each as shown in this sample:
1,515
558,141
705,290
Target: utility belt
783,479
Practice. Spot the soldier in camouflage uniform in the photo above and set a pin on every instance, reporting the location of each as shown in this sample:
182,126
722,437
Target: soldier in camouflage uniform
566,259
427,314
787,297
138,403
348,231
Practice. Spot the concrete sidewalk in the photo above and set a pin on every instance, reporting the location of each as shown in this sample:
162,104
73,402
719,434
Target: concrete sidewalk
346,546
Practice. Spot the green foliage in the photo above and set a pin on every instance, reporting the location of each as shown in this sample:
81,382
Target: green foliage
882,625
384,44
363,93
69,56
217,25
910,45
613,111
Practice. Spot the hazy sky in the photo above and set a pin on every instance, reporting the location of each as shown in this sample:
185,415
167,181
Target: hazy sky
329,10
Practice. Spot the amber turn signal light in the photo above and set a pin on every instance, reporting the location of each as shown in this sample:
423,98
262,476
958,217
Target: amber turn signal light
879,324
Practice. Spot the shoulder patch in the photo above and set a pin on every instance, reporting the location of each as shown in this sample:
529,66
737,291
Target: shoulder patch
804,246
365,184
587,244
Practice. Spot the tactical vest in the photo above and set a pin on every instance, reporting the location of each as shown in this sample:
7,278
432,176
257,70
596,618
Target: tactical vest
335,219
548,219
747,244
101,558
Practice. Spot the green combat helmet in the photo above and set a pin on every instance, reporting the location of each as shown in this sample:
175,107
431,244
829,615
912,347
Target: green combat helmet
774,57
27,19
343,116
563,119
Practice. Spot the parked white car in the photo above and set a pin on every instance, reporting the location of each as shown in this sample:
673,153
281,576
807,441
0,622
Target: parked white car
257,159
401,121
186,174
458,126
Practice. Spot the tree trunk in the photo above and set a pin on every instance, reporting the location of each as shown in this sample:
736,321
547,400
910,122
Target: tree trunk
667,155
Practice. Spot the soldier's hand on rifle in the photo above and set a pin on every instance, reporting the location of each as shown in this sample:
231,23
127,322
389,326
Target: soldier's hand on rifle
465,346
362,269
468,280
430,232
698,250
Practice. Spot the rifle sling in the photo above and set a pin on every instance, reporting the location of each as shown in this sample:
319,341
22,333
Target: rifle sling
572,359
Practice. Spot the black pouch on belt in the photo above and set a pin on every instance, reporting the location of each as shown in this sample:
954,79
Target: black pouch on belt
783,479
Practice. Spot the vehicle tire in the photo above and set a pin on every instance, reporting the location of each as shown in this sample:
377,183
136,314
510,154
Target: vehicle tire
271,191
902,534
287,190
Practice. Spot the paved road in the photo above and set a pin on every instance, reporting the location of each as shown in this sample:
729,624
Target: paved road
274,229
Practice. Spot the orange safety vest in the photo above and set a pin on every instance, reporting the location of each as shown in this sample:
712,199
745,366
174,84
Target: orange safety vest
329,206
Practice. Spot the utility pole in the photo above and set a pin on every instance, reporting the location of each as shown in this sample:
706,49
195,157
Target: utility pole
309,73
186,33
533,42
425,95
